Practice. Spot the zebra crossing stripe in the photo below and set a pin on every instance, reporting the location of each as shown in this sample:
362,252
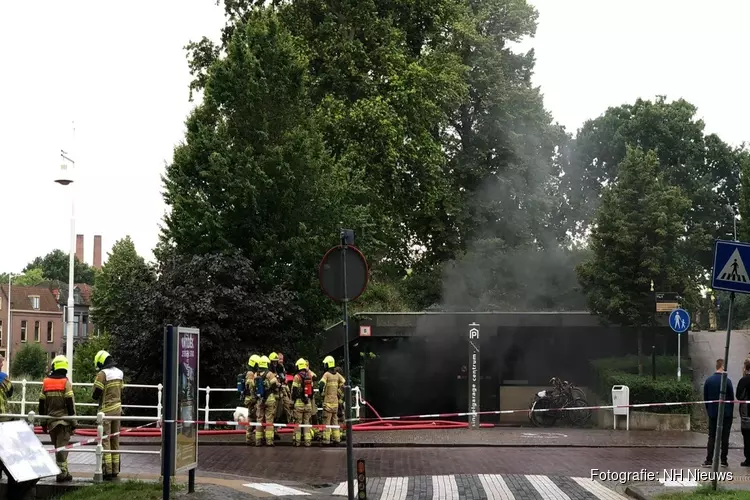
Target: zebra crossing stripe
275,489
444,488
489,486
395,488
495,487
546,488
598,489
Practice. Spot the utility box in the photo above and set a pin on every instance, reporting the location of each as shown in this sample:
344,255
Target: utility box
621,397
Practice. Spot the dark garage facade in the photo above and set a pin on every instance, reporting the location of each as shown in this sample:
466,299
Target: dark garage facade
422,359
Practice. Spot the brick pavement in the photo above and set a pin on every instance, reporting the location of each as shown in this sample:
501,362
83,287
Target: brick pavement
328,465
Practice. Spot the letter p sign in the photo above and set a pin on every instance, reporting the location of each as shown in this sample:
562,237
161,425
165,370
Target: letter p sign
473,333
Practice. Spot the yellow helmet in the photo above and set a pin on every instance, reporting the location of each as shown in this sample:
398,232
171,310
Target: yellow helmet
301,364
329,362
263,362
100,358
273,357
60,363
253,361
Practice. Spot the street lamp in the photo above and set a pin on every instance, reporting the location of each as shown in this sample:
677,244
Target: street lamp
65,178
10,325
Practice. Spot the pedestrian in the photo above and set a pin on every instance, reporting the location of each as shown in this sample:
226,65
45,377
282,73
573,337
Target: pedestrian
108,393
250,399
57,400
712,392
743,394
6,390
330,382
302,393
266,390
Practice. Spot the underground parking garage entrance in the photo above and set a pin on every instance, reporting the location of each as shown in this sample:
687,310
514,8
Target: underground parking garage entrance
421,360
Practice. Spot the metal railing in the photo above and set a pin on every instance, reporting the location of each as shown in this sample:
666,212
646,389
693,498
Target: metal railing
357,400
99,449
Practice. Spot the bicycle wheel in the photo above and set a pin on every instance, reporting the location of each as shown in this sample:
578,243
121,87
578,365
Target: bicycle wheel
578,393
579,418
543,418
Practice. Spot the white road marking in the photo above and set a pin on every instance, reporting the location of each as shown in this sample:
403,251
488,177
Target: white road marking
495,487
597,489
395,488
546,488
277,490
444,488
343,490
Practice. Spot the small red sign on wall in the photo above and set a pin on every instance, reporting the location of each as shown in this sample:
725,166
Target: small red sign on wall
365,331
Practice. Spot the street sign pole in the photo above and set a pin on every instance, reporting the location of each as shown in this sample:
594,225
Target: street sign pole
679,356
730,275
679,321
347,384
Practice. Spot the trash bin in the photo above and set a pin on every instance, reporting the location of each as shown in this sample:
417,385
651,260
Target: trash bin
621,398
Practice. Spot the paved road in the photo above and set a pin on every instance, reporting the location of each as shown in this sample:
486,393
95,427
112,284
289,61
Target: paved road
321,466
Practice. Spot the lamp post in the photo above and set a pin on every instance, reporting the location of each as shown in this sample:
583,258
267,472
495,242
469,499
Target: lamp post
65,178
10,325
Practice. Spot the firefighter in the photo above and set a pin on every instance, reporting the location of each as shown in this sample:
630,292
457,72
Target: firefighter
302,393
284,396
250,399
329,389
108,393
313,406
266,389
6,390
56,400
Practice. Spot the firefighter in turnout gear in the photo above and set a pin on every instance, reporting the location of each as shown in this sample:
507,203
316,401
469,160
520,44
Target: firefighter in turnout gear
108,393
250,400
284,395
56,400
266,390
329,389
302,393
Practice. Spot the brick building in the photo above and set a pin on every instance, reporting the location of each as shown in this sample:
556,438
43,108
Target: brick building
35,318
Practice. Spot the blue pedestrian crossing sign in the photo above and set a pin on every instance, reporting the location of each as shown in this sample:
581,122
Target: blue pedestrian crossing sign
730,273
679,320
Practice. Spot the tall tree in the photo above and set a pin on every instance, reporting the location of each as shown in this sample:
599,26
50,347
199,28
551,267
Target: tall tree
702,165
254,173
124,305
55,266
634,240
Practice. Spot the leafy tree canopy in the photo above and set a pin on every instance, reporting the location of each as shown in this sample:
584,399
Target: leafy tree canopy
55,266
30,361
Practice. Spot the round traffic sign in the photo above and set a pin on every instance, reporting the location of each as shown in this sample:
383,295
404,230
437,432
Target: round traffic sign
679,320
331,273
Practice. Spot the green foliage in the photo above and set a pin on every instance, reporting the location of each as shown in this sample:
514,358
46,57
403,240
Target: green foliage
83,357
635,240
30,277
55,266
643,389
132,490
30,360
706,492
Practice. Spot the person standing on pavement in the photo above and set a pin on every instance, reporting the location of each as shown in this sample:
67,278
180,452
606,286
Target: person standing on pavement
56,400
250,400
743,394
329,388
712,392
302,393
6,390
108,393
266,389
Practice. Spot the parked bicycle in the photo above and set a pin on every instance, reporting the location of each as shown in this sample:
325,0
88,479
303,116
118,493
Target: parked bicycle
552,405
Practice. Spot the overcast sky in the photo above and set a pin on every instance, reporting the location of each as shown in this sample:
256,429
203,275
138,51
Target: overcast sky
119,71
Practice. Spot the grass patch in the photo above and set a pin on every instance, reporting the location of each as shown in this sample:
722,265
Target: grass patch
705,492
132,490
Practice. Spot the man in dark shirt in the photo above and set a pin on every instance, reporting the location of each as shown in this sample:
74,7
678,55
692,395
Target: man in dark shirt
743,394
712,392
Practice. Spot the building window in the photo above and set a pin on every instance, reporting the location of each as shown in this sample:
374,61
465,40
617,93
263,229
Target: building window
50,332
35,302
85,325
23,331
76,320
37,335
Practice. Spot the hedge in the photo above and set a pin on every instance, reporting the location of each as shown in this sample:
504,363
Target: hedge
643,389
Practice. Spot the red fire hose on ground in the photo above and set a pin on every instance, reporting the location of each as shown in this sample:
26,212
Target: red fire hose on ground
374,425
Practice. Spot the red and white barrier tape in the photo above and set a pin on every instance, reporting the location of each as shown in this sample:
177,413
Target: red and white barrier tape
96,439
540,410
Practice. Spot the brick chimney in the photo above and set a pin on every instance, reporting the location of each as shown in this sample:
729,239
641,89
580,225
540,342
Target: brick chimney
79,247
97,251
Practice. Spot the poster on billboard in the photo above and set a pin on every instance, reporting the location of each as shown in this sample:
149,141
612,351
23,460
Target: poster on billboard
186,378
